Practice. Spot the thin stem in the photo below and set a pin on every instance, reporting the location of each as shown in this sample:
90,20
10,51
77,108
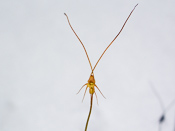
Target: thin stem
164,110
158,96
170,105
79,40
89,112
113,39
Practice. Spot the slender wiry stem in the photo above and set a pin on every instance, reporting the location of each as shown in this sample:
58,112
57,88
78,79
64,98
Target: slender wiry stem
158,96
170,105
89,113
114,39
164,110
79,40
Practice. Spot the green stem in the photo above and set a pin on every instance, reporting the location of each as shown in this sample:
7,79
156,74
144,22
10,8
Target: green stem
89,113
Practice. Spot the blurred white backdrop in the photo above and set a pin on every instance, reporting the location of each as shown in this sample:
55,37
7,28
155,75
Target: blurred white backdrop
43,65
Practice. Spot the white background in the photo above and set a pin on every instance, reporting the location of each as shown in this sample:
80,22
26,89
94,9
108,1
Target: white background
43,65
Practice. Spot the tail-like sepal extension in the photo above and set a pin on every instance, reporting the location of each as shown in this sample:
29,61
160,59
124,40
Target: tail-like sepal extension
84,94
96,97
81,88
114,38
79,40
100,91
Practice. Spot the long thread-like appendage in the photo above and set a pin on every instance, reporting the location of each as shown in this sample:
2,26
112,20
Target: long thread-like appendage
89,113
113,39
79,40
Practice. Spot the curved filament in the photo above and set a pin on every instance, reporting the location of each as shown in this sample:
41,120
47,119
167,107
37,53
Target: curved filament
96,97
81,88
113,39
100,91
84,94
79,40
